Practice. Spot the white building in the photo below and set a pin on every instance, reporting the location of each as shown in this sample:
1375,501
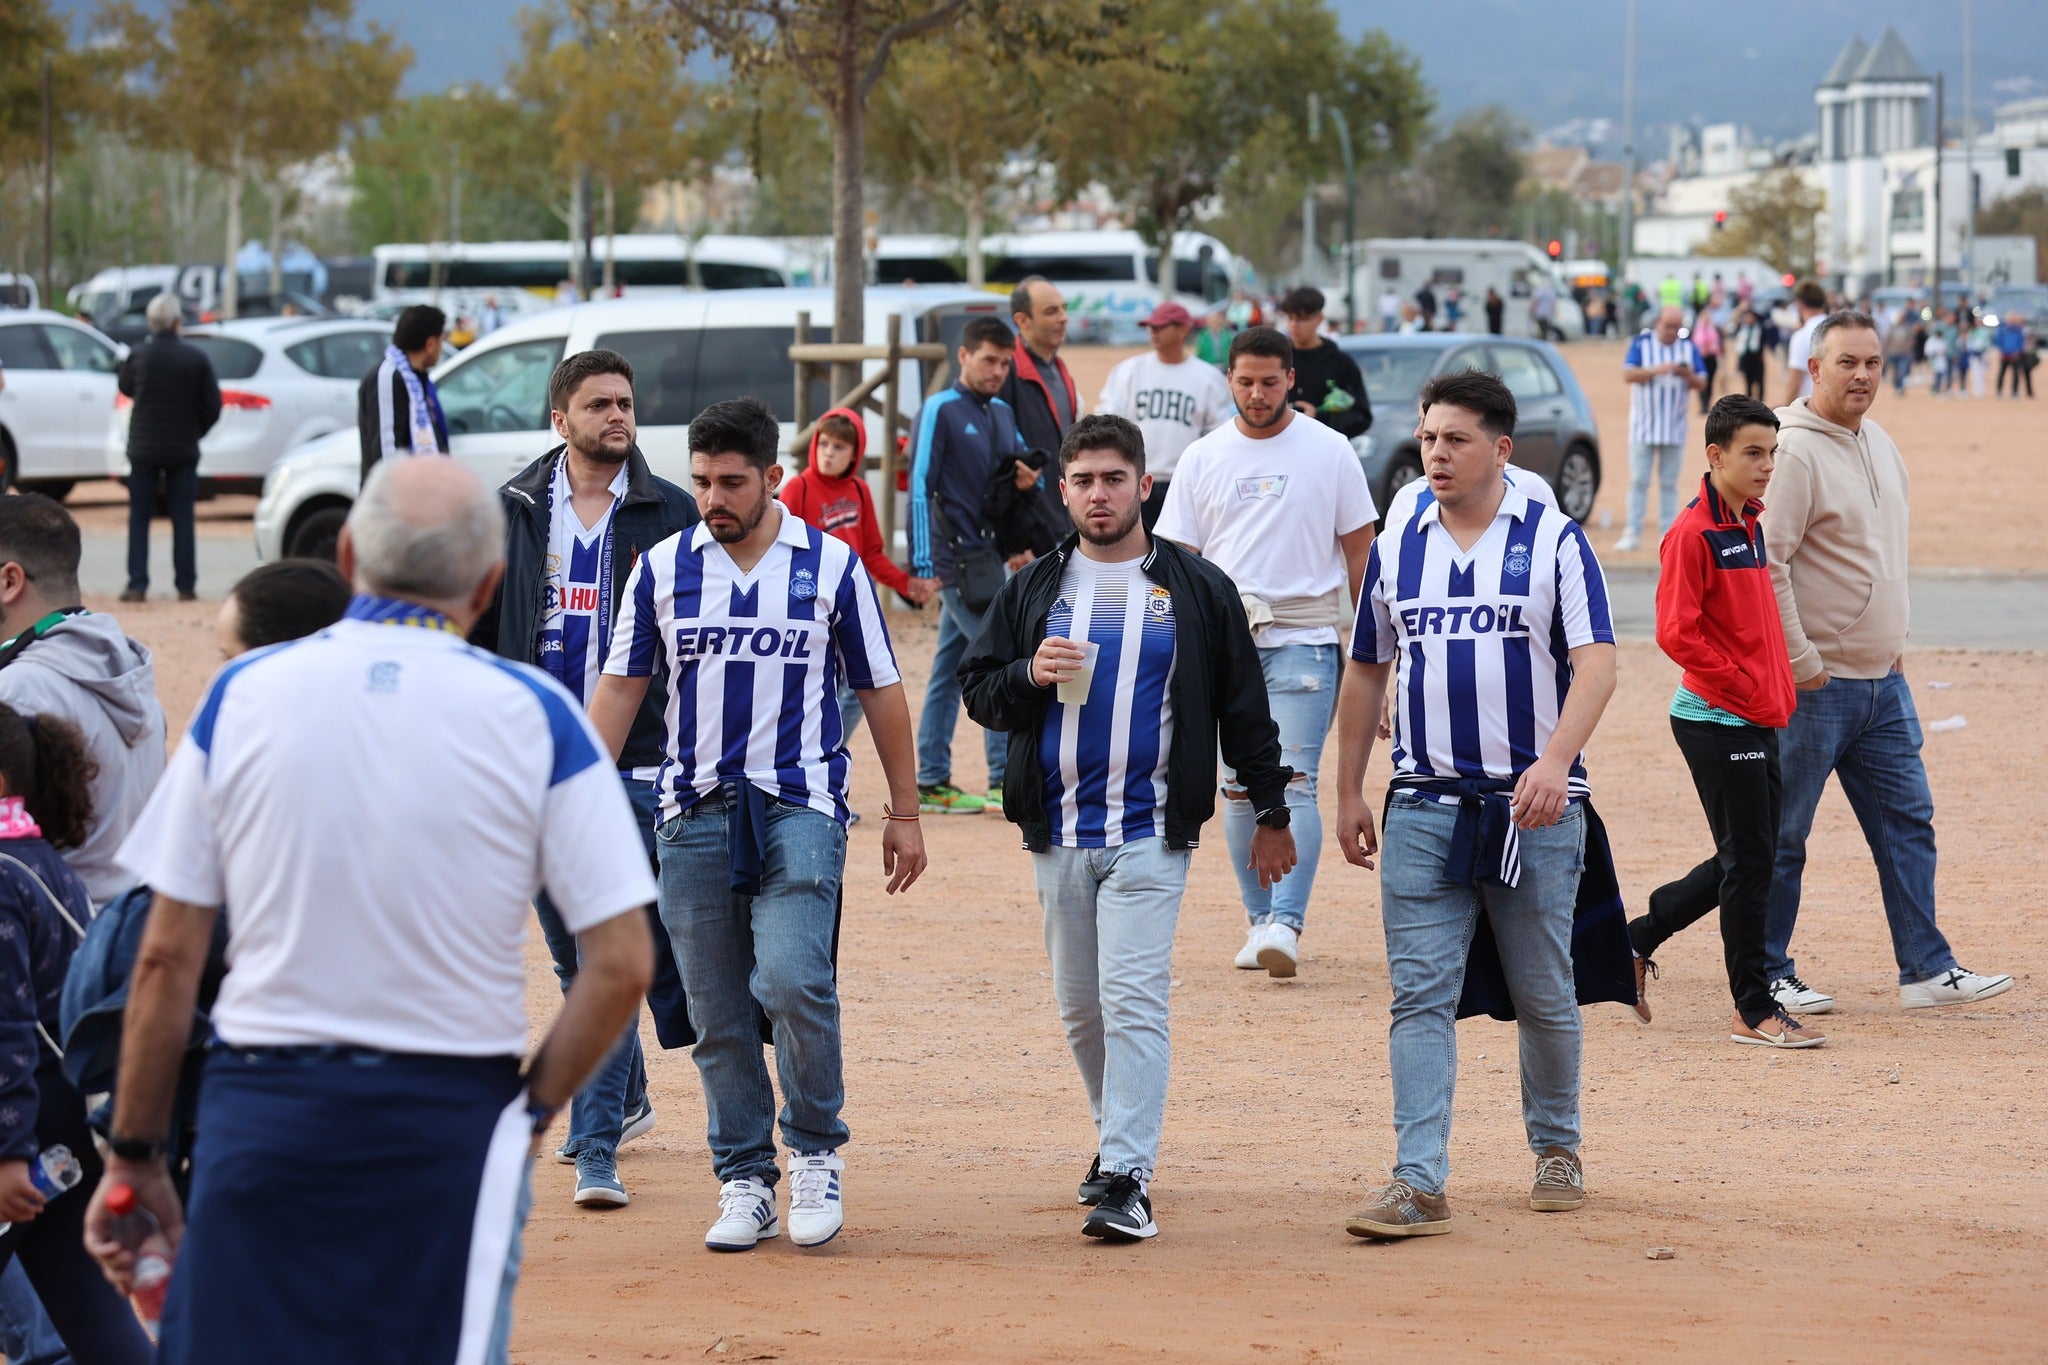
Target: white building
1875,102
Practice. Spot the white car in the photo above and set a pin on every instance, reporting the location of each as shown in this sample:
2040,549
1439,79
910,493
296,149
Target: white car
687,351
283,382
57,403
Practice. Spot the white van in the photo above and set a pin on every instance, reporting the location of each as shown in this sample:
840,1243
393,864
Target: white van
687,351
1471,265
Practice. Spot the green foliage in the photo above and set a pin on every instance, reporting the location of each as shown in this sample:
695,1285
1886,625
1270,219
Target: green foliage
405,171
1771,217
1464,181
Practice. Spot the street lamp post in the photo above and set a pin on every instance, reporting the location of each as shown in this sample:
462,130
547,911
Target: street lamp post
1628,146
1350,201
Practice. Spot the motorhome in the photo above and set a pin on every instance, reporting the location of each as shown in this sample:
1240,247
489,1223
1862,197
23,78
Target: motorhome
1471,265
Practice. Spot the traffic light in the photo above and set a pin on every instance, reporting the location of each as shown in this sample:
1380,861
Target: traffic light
1556,248
1720,219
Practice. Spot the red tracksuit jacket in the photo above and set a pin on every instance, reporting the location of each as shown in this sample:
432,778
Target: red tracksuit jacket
1717,615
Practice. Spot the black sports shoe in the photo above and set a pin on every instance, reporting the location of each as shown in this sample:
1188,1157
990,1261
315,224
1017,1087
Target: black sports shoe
1124,1213
1094,1184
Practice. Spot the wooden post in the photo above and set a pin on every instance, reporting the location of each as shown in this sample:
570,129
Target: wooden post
891,407
802,406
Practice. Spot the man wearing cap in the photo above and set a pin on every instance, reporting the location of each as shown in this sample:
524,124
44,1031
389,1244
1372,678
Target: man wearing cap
1171,396
1327,384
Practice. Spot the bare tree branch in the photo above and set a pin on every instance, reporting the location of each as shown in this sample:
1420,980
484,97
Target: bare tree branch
944,14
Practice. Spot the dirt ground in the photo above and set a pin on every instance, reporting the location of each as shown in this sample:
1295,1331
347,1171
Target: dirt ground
1885,1196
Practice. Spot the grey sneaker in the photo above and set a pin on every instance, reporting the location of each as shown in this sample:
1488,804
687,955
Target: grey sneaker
1560,1182
1094,1184
1401,1210
1956,986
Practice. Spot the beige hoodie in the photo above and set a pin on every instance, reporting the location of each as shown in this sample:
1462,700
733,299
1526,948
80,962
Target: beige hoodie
1836,530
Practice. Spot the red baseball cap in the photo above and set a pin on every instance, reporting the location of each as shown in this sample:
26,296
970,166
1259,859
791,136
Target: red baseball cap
1168,314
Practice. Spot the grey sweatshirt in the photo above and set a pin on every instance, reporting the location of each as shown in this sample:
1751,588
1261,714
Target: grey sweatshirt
87,671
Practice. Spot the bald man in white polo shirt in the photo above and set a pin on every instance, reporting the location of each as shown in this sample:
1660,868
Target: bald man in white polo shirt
379,803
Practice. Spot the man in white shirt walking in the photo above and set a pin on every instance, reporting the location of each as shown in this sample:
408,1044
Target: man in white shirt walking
753,617
369,1124
1663,370
1813,306
1277,501
1173,397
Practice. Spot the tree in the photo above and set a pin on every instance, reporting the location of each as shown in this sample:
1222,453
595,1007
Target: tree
250,88
453,165
1213,97
1772,217
1464,181
31,37
841,50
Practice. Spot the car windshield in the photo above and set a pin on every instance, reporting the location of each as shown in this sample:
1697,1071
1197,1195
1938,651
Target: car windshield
1394,375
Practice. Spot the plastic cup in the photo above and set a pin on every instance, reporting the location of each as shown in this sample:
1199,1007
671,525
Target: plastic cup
1075,691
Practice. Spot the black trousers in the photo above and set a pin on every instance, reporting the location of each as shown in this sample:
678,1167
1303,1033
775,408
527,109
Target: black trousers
95,1322
1155,500
173,490
1713,364
2021,374
1735,768
1752,366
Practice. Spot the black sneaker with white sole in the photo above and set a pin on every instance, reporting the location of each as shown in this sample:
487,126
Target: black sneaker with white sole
1094,1184
1124,1214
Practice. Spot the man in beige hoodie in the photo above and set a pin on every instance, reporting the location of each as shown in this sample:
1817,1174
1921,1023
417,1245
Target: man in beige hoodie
1837,532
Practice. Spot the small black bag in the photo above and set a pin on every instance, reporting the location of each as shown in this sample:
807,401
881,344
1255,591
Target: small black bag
978,571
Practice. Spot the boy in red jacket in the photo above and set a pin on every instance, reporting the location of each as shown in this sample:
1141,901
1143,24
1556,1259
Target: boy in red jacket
1717,617
831,495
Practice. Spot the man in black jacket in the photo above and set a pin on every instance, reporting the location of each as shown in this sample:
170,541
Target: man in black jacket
576,521
1118,664
398,410
177,401
1041,392
1320,363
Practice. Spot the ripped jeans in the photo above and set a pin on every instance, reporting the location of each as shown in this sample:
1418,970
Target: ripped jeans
1301,688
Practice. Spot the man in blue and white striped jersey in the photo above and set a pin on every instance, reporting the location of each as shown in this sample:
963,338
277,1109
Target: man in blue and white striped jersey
1496,611
1663,370
754,616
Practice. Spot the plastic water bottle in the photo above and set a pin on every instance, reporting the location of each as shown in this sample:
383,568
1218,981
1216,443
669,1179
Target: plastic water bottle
137,1228
1336,400
52,1173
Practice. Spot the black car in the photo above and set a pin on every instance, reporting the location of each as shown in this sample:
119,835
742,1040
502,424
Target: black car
1554,431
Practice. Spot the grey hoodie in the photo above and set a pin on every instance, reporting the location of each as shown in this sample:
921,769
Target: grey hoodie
87,671
1836,522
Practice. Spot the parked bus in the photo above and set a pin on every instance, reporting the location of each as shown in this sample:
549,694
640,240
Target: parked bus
524,275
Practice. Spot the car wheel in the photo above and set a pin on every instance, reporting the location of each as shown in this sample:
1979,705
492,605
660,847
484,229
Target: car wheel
1577,483
315,531
1403,469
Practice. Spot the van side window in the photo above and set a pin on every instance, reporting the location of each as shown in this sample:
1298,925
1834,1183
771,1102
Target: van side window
664,373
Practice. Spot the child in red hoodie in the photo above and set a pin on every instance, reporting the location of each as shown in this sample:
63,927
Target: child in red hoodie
832,495
1717,617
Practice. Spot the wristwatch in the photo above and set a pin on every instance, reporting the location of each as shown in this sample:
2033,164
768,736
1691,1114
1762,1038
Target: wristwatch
1276,818
135,1149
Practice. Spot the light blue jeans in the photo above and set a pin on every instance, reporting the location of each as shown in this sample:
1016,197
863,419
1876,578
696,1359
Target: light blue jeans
957,628
1301,688
1665,459
26,1333
1109,920
742,956
1429,924
1867,733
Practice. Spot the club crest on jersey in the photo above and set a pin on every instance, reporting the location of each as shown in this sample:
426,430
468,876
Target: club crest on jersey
802,585
383,677
1264,486
1517,563
1159,601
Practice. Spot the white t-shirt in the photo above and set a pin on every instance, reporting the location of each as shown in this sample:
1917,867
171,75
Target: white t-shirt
1268,513
1531,485
1105,760
576,615
376,807
1799,350
1172,405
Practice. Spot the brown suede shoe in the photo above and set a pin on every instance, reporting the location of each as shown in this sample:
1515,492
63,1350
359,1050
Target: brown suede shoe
1401,1210
1560,1183
1645,969
1780,1030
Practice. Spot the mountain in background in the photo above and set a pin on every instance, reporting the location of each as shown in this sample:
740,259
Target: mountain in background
1551,62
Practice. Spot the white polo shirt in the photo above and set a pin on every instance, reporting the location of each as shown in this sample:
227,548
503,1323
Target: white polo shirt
754,660
375,807
1268,513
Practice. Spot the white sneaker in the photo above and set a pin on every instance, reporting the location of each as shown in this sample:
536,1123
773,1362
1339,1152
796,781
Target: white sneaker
1629,541
746,1214
1953,987
1248,956
815,1213
1280,953
1796,997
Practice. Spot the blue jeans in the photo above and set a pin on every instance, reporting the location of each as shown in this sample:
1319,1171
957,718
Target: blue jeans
619,1085
1901,366
1642,460
1109,920
742,956
174,491
1866,732
1301,688
1429,925
957,628
26,1333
